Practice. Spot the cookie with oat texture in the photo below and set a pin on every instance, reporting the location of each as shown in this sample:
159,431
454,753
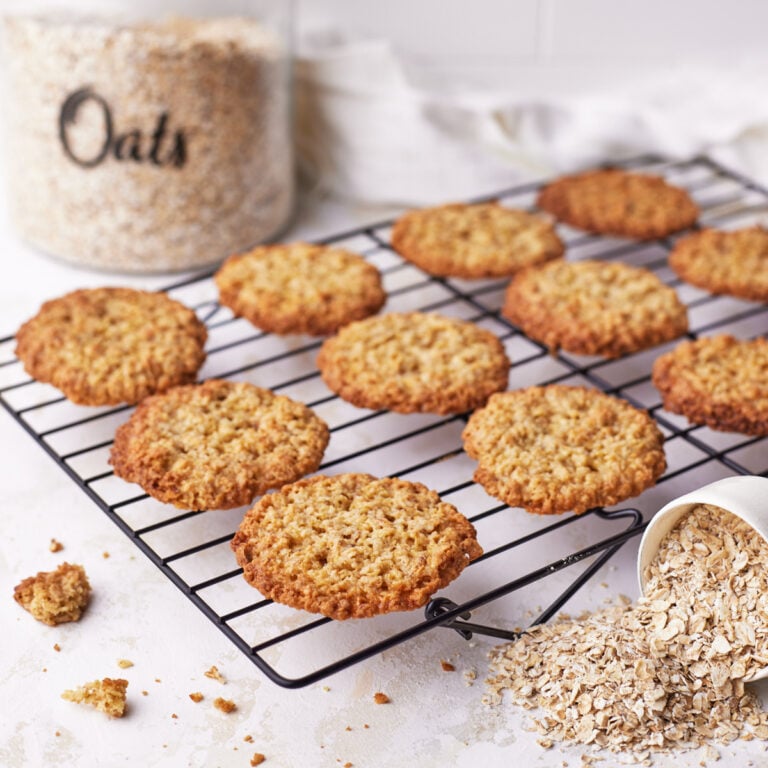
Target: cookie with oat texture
300,288
594,307
112,345
719,381
353,545
557,448
218,444
474,240
734,262
414,362
622,203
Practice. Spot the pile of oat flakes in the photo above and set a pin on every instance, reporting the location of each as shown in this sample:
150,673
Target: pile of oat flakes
666,672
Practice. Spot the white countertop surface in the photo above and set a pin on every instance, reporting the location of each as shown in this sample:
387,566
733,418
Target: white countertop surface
434,719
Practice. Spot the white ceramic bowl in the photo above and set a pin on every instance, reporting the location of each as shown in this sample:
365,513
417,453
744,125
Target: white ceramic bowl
746,496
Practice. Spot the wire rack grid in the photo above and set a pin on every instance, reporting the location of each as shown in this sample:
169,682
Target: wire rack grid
528,559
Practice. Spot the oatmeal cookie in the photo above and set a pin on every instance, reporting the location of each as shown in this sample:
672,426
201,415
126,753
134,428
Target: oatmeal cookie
481,240
217,445
594,307
550,449
616,202
104,346
353,545
300,288
719,381
734,263
55,597
414,362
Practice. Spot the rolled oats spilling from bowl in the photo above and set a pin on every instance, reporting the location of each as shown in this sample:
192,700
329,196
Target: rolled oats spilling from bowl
666,672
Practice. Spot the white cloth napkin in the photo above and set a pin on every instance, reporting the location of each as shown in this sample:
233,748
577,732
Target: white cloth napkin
366,132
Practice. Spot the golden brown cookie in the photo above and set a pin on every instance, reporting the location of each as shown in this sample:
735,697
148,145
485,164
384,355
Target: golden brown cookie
594,307
300,288
617,202
353,546
55,597
734,263
104,346
481,240
550,449
719,381
217,445
414,362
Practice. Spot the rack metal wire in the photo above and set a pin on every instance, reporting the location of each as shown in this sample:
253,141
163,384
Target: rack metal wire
552,556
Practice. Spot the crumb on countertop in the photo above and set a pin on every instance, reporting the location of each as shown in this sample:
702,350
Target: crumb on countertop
257,759
124,663
225,705
197,697
55,546
447,666
381,698
55,597
107,695
214,674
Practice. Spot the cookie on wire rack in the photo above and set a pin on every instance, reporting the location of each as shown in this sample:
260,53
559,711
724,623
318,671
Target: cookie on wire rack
616,202
353,545
718,381
557,448
474,240
594,307
414,362
112,345
300,287
731,262
218,444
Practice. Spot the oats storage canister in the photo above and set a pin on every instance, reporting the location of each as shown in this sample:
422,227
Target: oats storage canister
149,140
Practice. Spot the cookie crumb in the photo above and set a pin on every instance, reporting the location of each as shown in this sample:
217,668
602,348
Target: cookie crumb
124,663
56,647
145,693
197,697
214,674
57,733
105,555
55,597
248,738
174,716
381,698
225,705
107,695
257,758
55,546
447,666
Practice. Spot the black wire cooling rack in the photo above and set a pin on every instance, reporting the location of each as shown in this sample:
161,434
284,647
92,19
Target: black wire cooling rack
528,560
